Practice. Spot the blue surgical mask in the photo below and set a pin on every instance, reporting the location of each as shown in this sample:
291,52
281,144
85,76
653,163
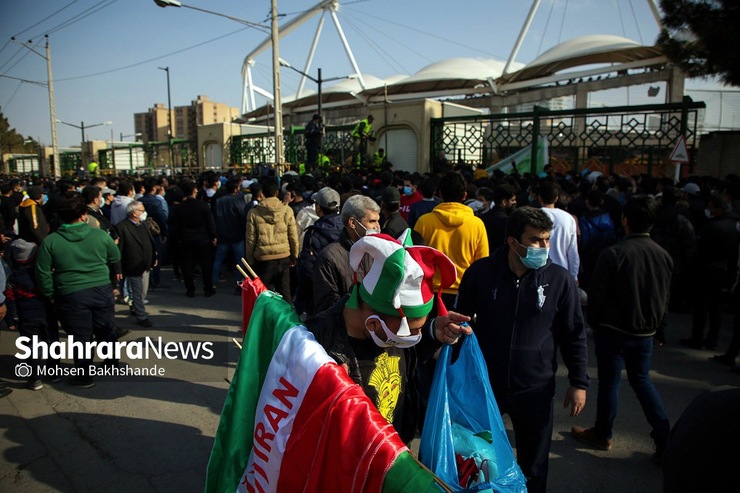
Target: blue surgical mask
536,257
407,191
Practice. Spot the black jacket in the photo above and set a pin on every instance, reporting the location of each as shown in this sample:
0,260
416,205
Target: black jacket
32,225
230,216
394,225
192,223
716,255
138,252
495,223
333,277
520,323
630,287
330,331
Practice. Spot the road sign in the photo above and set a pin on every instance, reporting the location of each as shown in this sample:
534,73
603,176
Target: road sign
680,153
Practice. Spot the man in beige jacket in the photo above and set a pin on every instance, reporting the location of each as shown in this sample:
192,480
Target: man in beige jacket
272,240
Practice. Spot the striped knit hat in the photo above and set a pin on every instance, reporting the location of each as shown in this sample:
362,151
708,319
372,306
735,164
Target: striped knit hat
399,282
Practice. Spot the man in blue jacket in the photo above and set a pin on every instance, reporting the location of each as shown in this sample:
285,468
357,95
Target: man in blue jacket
525,307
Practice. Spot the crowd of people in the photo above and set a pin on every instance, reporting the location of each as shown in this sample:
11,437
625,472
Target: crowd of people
530,261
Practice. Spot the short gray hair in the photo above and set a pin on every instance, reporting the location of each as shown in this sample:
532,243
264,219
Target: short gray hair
132,205
357,206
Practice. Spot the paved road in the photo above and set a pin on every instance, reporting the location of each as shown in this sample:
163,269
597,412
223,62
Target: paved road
154,434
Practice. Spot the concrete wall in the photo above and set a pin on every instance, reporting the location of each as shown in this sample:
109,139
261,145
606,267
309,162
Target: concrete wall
415,116
719,154
216,134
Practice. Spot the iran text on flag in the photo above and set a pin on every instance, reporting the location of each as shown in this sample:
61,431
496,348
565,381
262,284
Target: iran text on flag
294,421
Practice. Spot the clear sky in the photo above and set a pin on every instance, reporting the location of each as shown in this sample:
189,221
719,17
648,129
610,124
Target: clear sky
106,53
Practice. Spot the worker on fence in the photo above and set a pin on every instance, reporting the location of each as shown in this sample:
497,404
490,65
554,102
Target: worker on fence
362,133
379,161
313,136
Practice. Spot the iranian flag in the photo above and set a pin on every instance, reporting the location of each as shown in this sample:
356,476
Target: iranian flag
294,421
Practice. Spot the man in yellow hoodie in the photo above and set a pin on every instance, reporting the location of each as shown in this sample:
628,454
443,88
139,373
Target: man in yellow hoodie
453,229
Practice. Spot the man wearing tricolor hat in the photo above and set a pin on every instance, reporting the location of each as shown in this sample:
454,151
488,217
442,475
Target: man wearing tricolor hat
383,328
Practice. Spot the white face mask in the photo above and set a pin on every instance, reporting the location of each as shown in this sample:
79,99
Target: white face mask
368,231
210,193
143,216
402,340
708,213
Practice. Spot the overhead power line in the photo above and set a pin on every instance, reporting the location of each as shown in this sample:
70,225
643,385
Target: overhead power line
44,19
136,64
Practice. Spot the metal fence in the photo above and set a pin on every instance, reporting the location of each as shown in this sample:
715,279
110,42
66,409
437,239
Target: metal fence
249,152
625,140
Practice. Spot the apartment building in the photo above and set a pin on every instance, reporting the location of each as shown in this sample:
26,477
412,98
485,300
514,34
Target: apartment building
154,124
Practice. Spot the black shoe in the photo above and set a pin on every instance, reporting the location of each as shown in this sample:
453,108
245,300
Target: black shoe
723,359
691,343
34,384
589,436
82,382
3,384
712,346
210,292
131,311
4,392
190,294
144,323
122,332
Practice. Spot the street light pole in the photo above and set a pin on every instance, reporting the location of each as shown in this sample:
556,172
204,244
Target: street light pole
278,105
169,113
57,171
319,81
82,127
275,39
50,86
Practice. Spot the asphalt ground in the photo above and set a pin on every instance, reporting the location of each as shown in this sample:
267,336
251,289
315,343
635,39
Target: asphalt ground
154,433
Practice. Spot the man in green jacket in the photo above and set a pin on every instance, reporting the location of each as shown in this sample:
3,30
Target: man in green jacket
72,269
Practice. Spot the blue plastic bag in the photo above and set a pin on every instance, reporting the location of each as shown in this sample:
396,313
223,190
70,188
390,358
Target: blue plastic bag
461,394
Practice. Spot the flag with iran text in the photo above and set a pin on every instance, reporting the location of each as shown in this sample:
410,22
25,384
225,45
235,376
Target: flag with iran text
294,421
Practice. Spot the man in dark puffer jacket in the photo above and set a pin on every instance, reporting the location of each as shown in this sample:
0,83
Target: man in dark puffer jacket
320,234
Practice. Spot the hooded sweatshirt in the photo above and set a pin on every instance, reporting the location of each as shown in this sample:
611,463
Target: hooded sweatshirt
118,208
271,231
453,229
75,257
32,224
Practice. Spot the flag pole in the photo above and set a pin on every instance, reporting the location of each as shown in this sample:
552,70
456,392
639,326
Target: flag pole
248,267
437,479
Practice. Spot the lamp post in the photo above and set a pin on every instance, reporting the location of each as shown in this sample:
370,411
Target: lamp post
82,128
137,134
57,171
170,131
275,40
318,80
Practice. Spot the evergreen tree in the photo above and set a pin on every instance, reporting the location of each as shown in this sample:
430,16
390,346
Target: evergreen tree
11,141
701,37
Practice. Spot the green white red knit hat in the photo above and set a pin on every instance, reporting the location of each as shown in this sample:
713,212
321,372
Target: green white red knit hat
399,282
